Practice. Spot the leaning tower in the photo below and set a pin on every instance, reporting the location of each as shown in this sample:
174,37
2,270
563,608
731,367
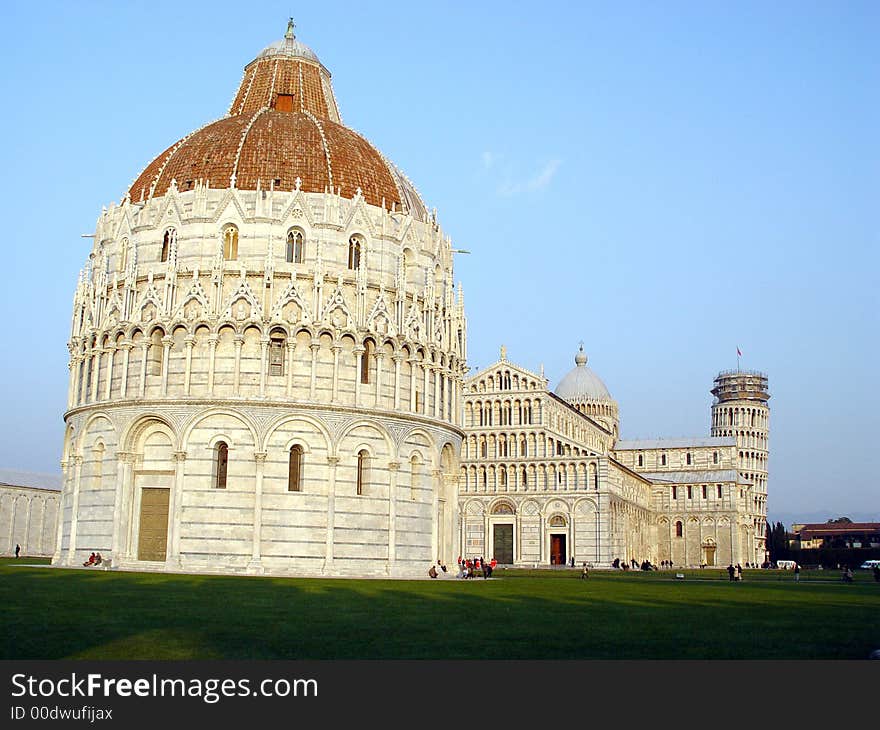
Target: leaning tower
741,409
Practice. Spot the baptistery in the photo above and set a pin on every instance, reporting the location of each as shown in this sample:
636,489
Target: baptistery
267,352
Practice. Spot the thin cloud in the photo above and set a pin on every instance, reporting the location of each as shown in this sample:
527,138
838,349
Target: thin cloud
539,181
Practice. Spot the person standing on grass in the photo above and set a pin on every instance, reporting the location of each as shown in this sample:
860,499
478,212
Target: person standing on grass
584,572
877,573
797,572
731,571
17,549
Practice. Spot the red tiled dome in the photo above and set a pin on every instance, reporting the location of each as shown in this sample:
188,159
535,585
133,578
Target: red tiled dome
283,124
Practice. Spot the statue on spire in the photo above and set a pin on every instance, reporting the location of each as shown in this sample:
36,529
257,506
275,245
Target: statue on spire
290,26
503,352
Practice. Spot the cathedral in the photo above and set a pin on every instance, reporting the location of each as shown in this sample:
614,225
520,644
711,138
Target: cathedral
545,478
268,375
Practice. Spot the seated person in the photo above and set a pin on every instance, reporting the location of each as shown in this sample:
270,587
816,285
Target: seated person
432,572
98,559
90,561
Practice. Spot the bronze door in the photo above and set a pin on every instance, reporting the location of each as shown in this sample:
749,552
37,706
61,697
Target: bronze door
503,544
557,549
153,536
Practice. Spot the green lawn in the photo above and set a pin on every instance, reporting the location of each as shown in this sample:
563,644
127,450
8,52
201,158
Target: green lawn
519,614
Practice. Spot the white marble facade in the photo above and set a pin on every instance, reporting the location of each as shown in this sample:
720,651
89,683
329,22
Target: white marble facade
548,470
28,518
171,358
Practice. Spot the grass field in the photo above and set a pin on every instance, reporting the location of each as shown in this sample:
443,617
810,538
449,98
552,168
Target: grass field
519,614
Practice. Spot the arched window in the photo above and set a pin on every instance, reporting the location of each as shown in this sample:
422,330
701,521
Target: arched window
168,241
688,458
363,470
679,530
230,243
414,476
276,353
295,246
156,352
663,460
294,469
365,363
355,246
714,457
641,460
221,461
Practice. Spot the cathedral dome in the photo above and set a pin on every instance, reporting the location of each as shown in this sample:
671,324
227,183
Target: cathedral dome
581,383
283,131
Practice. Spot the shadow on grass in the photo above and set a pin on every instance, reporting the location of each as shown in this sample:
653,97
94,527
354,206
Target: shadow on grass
54,614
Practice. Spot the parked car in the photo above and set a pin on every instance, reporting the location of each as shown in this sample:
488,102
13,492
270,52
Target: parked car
870,564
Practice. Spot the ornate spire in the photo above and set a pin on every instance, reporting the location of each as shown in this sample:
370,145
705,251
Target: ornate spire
581,358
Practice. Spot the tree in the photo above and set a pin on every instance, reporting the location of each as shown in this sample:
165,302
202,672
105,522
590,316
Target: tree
777,544
840,521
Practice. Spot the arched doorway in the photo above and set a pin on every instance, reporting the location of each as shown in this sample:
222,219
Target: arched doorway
502,533
709,552
558,539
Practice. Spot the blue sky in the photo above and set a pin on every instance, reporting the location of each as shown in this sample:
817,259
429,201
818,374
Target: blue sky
663,183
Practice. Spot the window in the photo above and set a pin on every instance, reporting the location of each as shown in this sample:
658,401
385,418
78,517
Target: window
663,460
363,470
230,243
719,491
679,529
354,253
690,492
294,469
284,103
704,492
688,458
641,460
675,492
168,241
295,245
414,481
123,254
156,352
221,461
714,457
365,366
276,355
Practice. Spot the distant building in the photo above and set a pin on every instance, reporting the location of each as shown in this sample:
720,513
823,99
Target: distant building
835,535
545,477
28,512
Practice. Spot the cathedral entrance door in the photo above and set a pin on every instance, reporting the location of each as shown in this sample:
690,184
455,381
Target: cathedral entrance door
557,549
153,535
502,544
709,555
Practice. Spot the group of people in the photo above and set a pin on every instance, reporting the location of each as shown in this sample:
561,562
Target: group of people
633,564
94,559
735,573
468,568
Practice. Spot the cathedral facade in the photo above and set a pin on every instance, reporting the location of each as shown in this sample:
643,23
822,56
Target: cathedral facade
546,480
268,374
